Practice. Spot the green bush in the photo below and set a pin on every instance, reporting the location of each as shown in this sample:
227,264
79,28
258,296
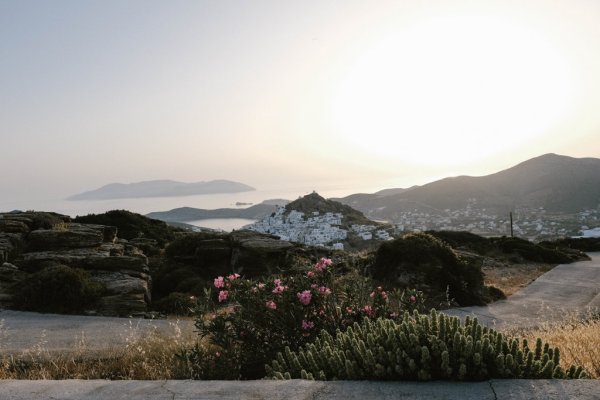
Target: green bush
176,303
251,321
464,240
531,251
426,262
420,347
59,289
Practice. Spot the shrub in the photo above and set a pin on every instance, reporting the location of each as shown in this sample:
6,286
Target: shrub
531,251
250,321
59,289
176,303
420,347
429,263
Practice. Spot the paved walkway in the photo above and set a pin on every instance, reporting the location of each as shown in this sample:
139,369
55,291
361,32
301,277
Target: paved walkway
566,290
300,390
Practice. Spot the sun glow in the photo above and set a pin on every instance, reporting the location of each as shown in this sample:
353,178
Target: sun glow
450,90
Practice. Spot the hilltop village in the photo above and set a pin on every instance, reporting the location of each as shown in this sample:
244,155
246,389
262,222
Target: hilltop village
316,229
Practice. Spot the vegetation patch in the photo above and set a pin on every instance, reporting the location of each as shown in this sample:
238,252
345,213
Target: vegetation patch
421,260
420,347
58,289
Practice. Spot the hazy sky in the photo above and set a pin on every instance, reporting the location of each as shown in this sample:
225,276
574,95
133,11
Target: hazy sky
367,94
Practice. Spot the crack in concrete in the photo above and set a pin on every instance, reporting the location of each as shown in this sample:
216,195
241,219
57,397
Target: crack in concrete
172,393
493,390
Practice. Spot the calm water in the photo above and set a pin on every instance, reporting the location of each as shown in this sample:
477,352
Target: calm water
147,205
226,224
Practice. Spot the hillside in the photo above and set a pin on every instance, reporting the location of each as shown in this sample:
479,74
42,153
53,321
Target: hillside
185,214
161,188
558,183
315,203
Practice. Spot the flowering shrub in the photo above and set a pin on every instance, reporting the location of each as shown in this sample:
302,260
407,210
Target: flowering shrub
253,320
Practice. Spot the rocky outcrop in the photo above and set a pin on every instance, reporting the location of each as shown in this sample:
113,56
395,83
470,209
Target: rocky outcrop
121,268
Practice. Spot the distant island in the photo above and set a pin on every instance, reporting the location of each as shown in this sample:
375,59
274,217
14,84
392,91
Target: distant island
161,188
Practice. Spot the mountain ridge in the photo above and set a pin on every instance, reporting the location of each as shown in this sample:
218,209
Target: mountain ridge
557,183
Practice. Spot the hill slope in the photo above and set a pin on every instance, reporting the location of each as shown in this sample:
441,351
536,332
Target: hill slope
557,183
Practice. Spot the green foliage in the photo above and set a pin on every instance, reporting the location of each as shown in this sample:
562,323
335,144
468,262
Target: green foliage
131,225
581,244
464,240
45,220
429,262
531,251
186,246
176,303
419,347
253,320
59,289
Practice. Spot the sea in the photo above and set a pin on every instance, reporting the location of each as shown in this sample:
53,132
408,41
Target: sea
146,205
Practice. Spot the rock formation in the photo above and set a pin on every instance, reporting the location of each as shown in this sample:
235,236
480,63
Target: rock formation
31,241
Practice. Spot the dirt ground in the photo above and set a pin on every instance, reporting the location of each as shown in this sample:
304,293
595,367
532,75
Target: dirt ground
512,277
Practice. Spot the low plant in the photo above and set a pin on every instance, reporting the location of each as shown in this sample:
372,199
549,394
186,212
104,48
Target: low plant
419,347
146,355
578,336
58,289
249,321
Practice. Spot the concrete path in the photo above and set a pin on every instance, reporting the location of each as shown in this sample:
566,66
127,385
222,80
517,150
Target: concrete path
299,390
566,290
21,331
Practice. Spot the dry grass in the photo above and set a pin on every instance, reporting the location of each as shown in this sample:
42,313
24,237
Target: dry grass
578,340
145,357
512,278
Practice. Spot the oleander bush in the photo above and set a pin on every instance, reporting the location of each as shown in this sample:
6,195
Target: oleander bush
249,321
419,347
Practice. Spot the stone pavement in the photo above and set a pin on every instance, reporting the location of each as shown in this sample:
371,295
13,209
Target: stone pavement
299,390
565,291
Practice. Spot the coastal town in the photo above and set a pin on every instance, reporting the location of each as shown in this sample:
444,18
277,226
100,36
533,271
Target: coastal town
527,222
316,229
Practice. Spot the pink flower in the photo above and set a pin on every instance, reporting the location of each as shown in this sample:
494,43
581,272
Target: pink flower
223,294
253,289
413,299
219,282
322,264
372,294
277,282
349,310
380,288
306,325
314,286
279,289
261,285
368,310
384,295
310,274
325,291
305,297
271,305
217,354
233,277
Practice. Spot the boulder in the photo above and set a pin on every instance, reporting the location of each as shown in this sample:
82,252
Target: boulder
73,236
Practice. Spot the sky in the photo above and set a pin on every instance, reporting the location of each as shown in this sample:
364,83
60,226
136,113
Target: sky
364,94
